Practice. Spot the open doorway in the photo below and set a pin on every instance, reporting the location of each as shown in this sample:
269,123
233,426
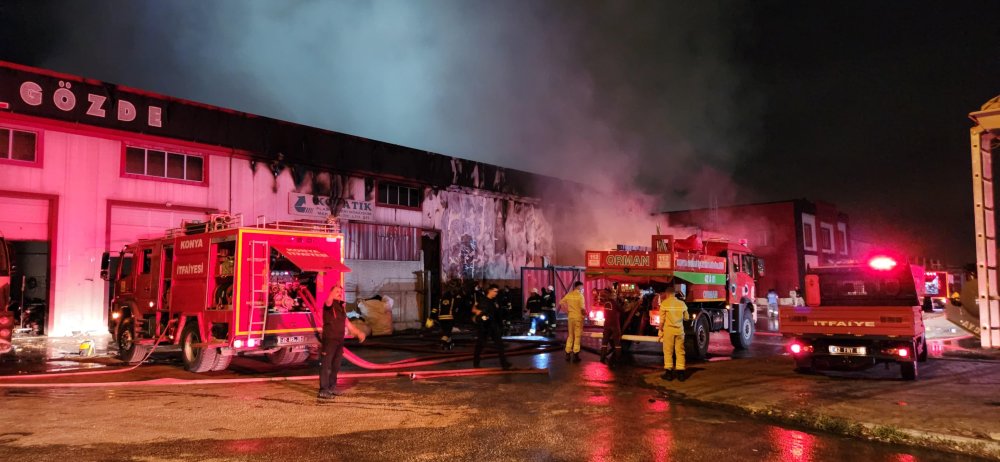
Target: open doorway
29,285
430,244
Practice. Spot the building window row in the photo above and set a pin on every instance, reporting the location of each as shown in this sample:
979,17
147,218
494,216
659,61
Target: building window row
164,164
831,239
18,145
399,195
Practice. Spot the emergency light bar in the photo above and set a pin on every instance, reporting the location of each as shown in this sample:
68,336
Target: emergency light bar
882,263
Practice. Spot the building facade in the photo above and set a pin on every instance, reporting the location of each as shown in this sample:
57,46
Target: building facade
789,235
87,166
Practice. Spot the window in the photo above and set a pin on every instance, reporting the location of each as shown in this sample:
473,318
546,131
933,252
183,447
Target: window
842,238
18,145
399,195
763,238
809,232
147,260
826,237
164,164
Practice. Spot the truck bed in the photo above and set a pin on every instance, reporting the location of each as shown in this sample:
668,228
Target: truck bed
887,321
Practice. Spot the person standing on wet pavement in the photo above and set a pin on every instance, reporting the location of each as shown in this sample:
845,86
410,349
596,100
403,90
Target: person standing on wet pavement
575,308
486,317
334,323
673,313
611,344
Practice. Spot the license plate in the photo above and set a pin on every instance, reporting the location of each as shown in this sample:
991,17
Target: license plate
291,339
849,351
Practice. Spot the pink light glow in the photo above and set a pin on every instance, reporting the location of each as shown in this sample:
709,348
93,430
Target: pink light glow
882,263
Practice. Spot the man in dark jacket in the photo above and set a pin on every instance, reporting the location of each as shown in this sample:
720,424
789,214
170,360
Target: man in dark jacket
485,315
611,345
334,323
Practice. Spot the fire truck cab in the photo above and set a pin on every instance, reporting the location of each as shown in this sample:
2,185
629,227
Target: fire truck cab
716,278
218,288
857,316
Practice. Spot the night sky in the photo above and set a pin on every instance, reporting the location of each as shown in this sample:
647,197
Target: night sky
861,104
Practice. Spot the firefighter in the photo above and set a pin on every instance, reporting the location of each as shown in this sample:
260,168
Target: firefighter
534,306
485,313
611,345
575,308
334,322
444,314
772,303
549,310
673,313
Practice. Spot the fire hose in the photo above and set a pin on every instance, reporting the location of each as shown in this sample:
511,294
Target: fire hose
350,356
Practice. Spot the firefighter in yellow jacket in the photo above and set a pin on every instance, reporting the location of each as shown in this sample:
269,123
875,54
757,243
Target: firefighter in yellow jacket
673,313
575,308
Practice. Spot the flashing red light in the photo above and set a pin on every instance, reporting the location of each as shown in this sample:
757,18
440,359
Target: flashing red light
903,353
882,263
795,348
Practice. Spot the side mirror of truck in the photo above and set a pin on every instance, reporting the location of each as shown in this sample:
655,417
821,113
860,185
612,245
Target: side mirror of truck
109,266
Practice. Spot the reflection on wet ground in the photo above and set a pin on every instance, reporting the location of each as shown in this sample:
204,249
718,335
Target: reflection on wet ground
580,411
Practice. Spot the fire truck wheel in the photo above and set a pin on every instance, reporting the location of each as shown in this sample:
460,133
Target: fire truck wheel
742,338
922,356
908,370
697,341
196,359
222,362
128,351
287,357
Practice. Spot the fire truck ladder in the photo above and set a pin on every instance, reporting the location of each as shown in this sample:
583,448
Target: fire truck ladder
260,268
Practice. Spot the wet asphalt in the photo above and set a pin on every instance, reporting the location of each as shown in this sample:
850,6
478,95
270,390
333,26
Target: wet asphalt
577,412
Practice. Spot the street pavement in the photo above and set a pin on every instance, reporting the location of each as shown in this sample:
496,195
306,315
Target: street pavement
583,411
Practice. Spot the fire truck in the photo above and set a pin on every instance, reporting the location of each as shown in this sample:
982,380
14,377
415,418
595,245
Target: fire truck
717,279
217,289
857,316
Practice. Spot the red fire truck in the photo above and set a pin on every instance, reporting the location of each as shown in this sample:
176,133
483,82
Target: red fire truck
857,316
218,288
717,277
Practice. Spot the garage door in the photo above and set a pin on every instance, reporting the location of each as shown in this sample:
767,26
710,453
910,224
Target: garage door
131,223
24,219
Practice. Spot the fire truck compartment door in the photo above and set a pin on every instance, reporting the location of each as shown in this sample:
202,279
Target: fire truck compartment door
309,258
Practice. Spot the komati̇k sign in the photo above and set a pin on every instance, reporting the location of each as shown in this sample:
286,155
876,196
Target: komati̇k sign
308,205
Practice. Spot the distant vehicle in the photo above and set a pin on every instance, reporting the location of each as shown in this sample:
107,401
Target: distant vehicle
5,269
857,316
6,316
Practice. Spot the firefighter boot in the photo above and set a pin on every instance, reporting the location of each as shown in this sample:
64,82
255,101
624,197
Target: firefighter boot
569,356
668,375
681,375
604,353
576,357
